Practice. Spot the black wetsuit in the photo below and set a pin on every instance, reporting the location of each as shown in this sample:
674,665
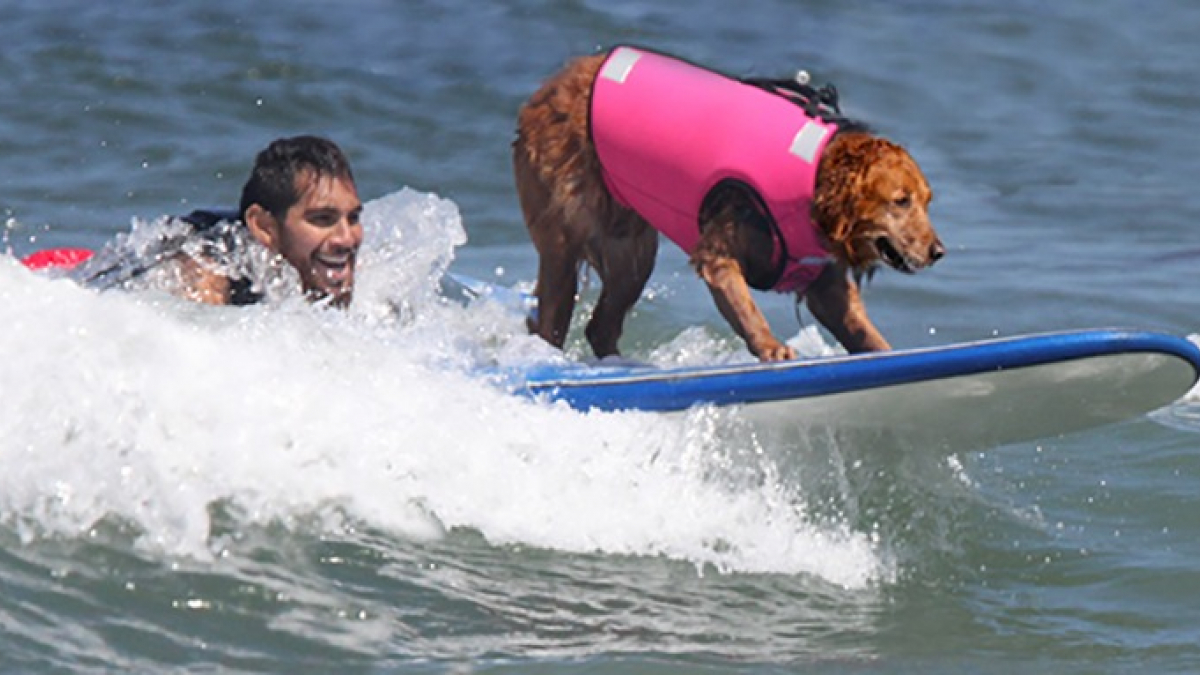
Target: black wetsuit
216,235
204,222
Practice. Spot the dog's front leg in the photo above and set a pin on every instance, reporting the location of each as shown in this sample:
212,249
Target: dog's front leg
732,295
835,301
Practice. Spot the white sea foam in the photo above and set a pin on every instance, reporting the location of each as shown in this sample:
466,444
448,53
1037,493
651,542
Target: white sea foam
150,409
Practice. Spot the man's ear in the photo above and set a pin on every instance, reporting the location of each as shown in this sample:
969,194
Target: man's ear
263,226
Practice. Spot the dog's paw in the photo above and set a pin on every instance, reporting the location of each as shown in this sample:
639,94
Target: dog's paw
775,351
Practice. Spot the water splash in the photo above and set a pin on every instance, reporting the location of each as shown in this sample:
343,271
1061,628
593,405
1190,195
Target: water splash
142,407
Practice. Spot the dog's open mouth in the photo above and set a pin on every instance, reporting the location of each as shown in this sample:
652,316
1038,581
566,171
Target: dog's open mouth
892,256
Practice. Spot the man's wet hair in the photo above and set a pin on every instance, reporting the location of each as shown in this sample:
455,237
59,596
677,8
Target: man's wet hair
272,182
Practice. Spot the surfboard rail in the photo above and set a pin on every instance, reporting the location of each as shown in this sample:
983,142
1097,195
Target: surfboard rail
673,389
970,395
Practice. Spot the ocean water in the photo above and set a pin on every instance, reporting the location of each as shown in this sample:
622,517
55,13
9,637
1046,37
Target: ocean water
286,488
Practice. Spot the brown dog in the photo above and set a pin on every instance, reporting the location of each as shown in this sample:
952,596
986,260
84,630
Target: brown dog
866,201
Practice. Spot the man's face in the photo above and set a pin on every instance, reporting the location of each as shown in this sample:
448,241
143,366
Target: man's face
320,235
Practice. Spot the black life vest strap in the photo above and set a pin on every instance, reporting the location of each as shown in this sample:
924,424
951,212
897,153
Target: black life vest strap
817,102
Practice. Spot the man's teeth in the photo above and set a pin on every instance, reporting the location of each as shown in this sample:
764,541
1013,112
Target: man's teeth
333,261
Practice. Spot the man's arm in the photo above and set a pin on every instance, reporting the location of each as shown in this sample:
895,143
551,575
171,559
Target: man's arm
201,284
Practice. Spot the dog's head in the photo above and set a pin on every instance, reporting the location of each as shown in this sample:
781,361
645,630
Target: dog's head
872,204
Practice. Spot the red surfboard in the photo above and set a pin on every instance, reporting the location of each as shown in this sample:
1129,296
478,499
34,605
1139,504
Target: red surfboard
56,258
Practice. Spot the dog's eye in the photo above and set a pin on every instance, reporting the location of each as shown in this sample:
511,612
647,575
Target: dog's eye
903,201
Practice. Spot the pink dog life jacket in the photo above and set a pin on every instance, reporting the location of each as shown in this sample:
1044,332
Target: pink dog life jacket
667,132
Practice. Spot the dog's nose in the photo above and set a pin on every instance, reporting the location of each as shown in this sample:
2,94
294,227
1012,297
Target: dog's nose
936,251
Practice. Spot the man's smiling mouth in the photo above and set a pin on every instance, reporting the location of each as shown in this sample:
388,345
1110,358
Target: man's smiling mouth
335,267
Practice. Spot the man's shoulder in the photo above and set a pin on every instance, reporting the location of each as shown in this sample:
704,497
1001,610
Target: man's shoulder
203,219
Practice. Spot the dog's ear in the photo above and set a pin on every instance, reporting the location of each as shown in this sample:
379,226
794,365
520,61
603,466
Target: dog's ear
841,184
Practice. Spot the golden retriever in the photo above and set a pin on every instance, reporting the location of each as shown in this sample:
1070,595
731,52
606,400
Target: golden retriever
869,205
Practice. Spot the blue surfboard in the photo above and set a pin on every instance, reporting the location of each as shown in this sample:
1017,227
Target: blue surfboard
973,394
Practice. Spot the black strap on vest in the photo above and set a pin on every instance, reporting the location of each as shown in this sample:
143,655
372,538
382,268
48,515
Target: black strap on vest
817,102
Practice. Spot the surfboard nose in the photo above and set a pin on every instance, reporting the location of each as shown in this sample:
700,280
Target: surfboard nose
57,258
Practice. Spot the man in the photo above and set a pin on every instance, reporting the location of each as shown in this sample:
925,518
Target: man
300,203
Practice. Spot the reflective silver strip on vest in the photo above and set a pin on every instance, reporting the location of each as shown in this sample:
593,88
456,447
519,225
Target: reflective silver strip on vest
815,260
618,65
808,140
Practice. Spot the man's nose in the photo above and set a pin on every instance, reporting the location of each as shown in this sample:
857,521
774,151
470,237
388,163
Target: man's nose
347,234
